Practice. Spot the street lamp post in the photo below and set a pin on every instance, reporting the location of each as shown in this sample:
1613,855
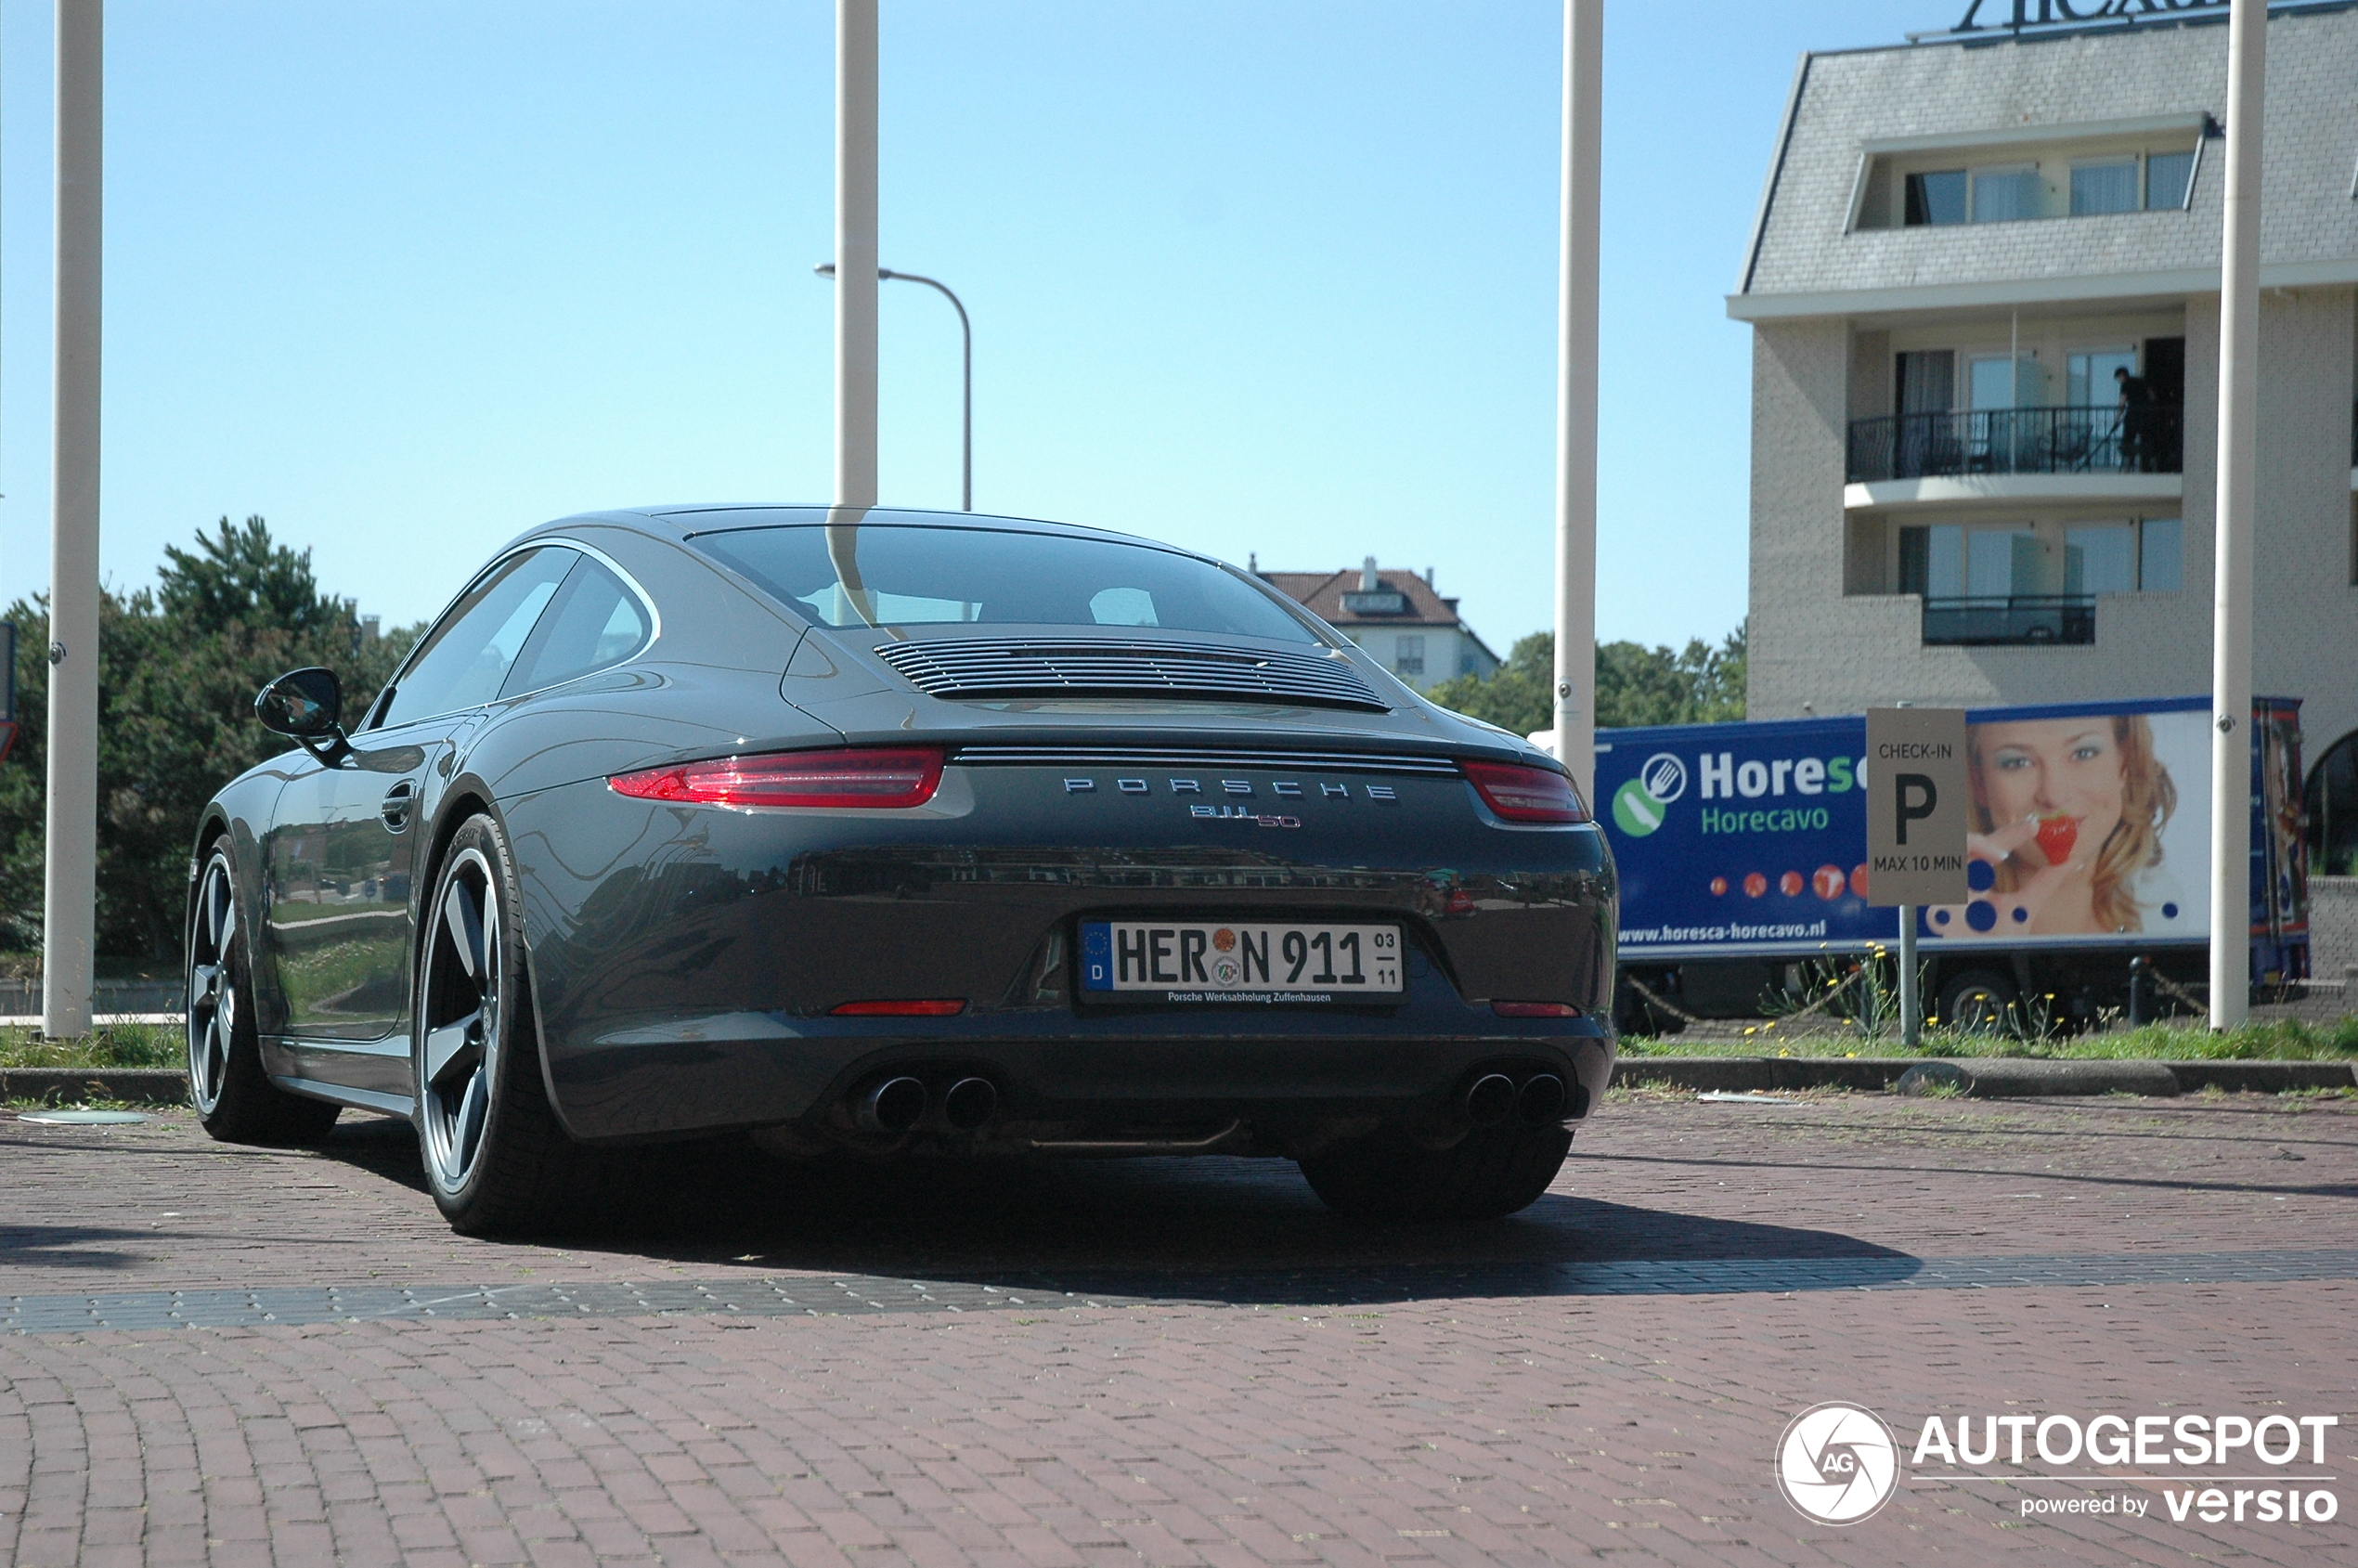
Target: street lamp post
966,334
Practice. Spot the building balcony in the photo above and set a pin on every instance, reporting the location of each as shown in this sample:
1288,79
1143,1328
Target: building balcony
2041,440
2019,620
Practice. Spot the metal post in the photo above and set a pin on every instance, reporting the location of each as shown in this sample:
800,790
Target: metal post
855,252
70,892
966,422
1911,1006
1576,394
2231,606
967,336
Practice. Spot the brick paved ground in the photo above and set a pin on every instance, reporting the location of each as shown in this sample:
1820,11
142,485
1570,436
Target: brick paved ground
1605,1376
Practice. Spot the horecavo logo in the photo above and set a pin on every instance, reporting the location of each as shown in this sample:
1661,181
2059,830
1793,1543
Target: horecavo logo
1639,806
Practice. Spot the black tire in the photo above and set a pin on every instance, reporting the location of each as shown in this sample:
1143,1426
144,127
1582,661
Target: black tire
1492,1172
496,1159
235,1099
1980,1002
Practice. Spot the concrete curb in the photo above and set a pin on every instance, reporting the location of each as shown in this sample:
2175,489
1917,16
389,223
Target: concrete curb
58,1085
1989,1077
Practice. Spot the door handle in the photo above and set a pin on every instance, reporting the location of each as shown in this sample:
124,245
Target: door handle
394,808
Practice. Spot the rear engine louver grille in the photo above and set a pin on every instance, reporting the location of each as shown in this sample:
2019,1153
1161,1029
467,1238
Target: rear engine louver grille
1009,668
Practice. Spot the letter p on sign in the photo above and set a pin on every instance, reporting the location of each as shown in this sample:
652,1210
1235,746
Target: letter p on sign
1917,798
1919,786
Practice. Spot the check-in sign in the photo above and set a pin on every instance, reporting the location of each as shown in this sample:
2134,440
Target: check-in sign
1918,789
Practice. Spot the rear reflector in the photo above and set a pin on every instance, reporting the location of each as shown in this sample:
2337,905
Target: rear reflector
878,778
900,1009
1525,795
1535,1009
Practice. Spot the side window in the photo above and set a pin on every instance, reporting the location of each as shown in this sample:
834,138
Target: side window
594,621
465,660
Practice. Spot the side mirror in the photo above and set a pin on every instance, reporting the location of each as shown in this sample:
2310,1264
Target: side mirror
305,703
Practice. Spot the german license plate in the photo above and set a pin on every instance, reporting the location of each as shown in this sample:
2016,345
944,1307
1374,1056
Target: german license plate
1238,961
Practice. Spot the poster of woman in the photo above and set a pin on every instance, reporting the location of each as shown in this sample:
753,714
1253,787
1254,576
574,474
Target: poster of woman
2086,827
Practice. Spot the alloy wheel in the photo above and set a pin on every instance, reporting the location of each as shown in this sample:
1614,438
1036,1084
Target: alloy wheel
458,1060
213,991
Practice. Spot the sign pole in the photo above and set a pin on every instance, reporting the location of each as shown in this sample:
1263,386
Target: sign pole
2231,606
1911,1006
1576,394
69,913
1918,784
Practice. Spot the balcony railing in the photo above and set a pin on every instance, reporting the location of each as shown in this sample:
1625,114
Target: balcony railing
2062,440
2021,620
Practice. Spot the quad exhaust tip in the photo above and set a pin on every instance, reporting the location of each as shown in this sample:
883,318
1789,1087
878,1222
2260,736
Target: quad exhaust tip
1491,1100
893,1105
1541,1100
1536,1102
969,1104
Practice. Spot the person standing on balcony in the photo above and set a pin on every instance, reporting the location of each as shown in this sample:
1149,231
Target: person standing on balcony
2138,447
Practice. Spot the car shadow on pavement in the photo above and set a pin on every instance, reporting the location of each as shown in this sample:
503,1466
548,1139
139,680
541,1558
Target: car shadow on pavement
1208,1228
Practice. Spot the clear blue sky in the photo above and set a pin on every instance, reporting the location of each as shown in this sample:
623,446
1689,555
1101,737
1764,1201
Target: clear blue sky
1274,277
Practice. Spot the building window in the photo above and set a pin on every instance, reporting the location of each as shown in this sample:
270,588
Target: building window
2090,375
1937,198
1410,659
2100,558
2160,564
2073,177
2007,191
2103,185
1376,602
2168,175
1950,561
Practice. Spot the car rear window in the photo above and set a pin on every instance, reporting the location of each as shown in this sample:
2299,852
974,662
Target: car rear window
894,574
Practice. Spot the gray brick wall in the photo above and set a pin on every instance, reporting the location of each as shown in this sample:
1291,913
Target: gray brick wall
1941,89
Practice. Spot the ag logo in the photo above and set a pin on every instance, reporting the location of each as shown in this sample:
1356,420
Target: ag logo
1836,1463
1638,805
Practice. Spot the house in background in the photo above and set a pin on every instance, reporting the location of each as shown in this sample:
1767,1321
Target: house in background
1396,617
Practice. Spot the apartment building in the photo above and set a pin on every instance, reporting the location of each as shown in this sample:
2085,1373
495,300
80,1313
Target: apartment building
1984,293
1399,618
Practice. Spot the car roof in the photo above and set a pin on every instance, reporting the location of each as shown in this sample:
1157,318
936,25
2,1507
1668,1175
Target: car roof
685,521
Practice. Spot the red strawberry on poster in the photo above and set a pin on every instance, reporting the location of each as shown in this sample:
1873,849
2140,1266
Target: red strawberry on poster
2058,836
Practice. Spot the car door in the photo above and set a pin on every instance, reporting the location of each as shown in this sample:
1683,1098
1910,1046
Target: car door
343,850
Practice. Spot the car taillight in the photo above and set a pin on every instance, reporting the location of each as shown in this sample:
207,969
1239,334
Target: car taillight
906,776
945,1008
1525,795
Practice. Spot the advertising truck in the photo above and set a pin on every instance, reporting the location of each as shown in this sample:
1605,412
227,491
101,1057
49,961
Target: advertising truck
1741,854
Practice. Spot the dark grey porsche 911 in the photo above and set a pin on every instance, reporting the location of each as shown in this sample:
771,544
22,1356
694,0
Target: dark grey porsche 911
900,833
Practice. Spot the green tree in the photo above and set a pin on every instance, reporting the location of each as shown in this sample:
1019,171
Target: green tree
1635,685
244,577
178,668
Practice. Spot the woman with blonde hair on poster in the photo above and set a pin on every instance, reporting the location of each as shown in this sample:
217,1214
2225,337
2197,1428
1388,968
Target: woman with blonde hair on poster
2065,840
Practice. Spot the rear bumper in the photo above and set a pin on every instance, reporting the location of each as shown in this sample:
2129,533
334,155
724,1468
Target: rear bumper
1076,1075
685,959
